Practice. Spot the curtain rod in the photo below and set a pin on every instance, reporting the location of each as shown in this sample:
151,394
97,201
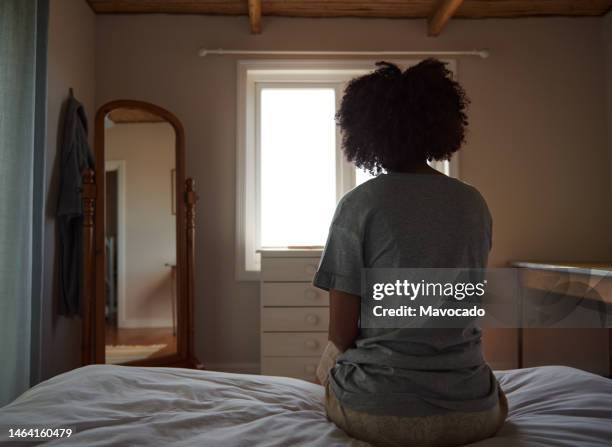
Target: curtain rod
483,54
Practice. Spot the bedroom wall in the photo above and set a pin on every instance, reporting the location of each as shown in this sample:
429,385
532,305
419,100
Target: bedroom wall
147,151
70,64
536,144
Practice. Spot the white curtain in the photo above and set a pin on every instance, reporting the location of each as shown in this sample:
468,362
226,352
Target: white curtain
17,95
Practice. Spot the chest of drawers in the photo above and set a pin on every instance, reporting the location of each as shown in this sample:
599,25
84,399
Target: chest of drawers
294,314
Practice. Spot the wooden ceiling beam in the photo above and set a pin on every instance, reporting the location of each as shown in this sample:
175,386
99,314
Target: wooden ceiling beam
441,16
359,8
255,16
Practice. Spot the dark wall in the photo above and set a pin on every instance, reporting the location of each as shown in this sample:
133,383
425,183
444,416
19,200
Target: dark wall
71,63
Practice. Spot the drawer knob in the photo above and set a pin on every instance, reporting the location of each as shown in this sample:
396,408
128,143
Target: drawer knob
312,344
311,269
310,369
312,319
311,294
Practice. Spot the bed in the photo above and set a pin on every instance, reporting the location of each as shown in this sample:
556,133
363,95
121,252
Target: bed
110,405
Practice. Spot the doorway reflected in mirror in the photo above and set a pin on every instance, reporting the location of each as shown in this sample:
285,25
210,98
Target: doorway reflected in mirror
140,236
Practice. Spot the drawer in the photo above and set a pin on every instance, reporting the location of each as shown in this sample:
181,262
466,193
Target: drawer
299,367
293,294
293,344
288,269
298,319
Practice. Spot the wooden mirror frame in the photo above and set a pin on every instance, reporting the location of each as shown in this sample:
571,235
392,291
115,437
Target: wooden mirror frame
94,253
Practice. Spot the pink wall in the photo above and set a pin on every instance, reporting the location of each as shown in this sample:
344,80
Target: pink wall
72,27
147,151
537,144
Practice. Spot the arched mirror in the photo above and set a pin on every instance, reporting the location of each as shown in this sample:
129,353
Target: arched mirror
143,239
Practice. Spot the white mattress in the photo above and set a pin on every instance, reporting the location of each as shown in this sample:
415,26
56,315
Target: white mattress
129,406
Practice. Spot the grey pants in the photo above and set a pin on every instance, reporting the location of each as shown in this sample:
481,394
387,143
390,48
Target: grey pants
452,429
446,430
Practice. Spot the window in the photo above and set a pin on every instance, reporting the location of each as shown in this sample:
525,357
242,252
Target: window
290,167
295,208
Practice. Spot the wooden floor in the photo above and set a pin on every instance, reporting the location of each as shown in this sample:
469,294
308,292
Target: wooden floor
142,336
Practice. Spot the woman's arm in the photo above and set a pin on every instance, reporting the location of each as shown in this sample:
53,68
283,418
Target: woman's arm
344,309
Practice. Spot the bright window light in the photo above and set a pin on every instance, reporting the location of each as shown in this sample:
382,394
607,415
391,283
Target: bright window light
362,176
442,166
297,165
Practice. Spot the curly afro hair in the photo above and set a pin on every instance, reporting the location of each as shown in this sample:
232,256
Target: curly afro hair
393,120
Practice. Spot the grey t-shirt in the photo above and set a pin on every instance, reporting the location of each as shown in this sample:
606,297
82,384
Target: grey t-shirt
401,220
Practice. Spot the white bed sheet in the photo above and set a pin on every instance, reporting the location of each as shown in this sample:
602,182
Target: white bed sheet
129,406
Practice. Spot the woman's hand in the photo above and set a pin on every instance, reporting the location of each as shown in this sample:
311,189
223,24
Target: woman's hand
344,310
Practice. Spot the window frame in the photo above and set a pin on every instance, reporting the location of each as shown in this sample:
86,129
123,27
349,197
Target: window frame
252,76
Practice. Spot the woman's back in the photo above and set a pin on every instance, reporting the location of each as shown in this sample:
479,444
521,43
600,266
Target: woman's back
420,221
404,220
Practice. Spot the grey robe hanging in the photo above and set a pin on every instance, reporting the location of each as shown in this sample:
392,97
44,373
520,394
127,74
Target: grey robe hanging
75,156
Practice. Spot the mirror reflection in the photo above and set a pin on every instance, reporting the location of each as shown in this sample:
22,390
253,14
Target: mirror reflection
140,236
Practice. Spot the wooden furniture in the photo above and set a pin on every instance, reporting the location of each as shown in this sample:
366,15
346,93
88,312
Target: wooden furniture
294,314
589,348
94,262
88,197
295,318
172,268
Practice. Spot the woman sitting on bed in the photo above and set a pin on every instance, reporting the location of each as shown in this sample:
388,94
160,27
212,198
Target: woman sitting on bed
405,387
